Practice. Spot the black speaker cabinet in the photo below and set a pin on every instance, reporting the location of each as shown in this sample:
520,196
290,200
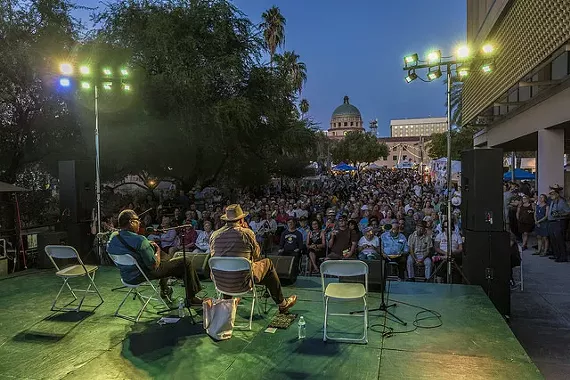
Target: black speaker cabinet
49,238
287,268
375,282
76,190
487,262
482,189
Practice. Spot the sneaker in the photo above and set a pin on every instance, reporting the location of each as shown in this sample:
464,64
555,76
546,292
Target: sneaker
289,302
166,293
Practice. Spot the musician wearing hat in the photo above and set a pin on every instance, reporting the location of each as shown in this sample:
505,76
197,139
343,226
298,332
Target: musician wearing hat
148,255
558,213
236,239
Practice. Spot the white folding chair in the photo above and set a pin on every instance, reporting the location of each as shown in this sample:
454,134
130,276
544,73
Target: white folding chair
128,260
72,271
344,292
235,264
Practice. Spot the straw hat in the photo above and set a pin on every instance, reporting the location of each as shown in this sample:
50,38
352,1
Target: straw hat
234,213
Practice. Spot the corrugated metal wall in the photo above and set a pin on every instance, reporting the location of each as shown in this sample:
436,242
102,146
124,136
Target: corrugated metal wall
530,31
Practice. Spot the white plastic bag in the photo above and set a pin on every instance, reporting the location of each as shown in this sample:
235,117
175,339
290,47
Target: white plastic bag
219,317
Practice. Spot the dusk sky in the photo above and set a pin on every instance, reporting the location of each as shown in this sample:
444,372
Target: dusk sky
356,48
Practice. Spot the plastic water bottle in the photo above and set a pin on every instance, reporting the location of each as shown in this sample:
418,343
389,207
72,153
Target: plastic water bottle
302,328
181,308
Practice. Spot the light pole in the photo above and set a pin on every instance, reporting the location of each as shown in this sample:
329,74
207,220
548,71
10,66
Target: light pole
462,64
103,77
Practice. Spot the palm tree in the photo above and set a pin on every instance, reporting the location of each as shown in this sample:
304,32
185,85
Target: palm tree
304,107
290,66
273,27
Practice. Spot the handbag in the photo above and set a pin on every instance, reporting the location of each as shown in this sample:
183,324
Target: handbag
219,316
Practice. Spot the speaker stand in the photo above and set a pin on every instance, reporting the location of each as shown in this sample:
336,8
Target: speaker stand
450,264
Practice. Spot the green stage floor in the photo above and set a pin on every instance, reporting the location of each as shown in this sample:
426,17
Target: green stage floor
473,343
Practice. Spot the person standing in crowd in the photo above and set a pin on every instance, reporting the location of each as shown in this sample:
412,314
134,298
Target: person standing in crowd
421,246
236,239
147,254
541,225
525,219
557,214
395,248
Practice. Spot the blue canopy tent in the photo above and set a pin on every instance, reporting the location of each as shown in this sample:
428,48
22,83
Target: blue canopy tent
519,175
343,167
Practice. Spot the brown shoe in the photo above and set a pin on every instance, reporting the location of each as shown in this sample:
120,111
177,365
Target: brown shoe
289,302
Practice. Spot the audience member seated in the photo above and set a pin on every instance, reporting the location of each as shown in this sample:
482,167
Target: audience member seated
315,246
203,239
291,240
420,245
395,248
368,245
343,241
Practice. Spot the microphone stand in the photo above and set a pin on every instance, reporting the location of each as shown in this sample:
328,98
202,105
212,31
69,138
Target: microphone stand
180,229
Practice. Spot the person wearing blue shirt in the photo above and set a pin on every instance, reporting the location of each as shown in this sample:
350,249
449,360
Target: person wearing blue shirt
147,254
395,248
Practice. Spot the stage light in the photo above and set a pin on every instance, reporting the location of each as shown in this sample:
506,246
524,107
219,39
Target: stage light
411,60
434,56
463,52
124,72
411,76
487,48
107,85
107,72
66,68
64,82
462,72
487,68
85,85
85,70
433,75
127,87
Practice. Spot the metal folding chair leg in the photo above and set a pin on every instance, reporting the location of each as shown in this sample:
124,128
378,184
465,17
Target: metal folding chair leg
91,278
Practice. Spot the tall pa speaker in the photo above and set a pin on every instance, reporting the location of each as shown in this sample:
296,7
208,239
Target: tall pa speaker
76,190
482,189
487,262
287,268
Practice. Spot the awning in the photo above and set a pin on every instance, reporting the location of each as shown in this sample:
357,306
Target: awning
7,188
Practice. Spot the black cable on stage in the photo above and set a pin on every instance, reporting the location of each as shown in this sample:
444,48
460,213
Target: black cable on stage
388,331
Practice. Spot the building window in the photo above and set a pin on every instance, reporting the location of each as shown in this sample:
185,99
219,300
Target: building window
394,158
352,123
345,123
385,158
404,157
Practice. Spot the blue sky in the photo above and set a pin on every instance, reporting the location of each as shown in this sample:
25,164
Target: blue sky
356,48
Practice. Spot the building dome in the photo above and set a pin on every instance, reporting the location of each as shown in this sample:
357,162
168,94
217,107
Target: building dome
345,118
346,109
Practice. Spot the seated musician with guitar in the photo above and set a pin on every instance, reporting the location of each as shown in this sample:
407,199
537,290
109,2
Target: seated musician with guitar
147,254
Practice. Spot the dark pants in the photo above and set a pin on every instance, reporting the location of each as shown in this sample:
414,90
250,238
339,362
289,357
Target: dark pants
556,232
175,268
264,273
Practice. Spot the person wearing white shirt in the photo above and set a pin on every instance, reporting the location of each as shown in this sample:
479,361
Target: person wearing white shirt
203,240
368,245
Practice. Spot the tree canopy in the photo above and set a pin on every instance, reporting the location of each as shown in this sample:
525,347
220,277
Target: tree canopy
359,149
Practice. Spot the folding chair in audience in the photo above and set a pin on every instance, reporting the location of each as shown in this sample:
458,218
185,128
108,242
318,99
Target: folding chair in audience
344,292
242,273
71,272
128,260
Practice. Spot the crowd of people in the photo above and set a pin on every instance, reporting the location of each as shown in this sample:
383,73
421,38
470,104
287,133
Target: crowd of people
391,214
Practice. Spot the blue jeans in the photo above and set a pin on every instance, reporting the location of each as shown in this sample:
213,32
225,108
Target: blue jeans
412,262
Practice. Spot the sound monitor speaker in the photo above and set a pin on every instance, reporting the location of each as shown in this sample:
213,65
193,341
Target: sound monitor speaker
482,189
287,268
49,238
199,263
374,276
487,262
76,190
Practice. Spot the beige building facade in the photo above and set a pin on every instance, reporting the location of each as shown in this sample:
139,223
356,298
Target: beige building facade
345,118
404,151
524,103
417,127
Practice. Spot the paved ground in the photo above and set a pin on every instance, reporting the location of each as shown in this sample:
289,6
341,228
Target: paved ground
540,315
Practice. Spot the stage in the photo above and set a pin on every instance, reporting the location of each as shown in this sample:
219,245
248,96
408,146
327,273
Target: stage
473,342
